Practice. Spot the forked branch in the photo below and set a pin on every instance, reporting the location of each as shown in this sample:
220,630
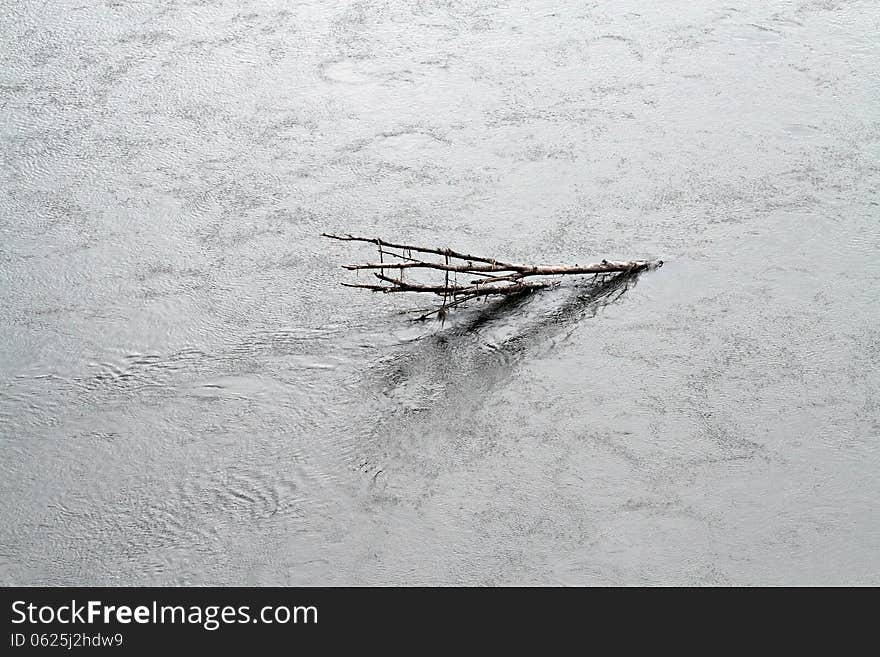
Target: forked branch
496,277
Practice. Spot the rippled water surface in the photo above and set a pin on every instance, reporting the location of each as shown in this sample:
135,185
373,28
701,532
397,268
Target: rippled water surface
187,396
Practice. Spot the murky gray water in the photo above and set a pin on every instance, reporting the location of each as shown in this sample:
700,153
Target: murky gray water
188,396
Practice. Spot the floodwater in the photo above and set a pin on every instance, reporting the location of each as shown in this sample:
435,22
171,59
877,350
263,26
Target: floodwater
187,395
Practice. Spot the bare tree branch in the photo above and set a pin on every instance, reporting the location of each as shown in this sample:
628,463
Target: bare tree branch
498,278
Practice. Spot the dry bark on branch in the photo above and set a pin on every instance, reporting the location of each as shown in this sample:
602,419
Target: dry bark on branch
497,277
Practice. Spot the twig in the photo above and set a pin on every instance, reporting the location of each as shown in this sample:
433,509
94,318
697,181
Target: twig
405,247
